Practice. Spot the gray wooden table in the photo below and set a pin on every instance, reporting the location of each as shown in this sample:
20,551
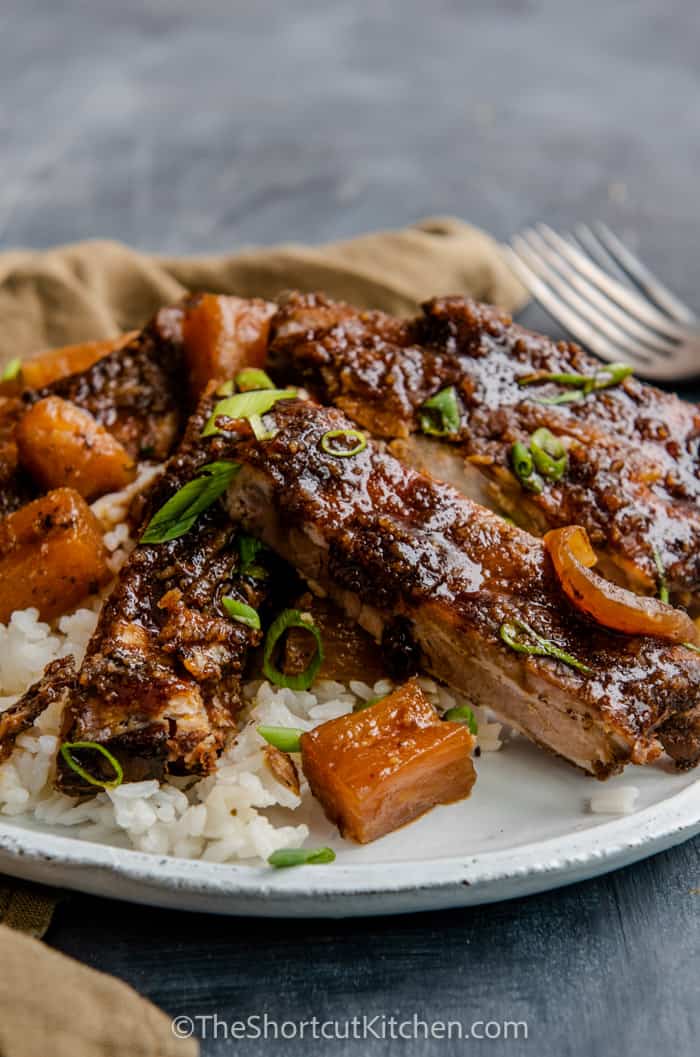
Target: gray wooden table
181,126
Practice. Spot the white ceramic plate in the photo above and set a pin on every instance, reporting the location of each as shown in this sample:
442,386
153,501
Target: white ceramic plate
526,828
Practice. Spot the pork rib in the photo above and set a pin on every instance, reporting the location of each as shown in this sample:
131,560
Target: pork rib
160,684
634,468
436,576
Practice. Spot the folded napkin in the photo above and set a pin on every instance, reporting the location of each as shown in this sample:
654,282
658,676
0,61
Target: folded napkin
91,290
95,290
53,1005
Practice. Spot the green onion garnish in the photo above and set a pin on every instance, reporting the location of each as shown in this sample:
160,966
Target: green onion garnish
248,548
258,428
605,377
546,457
343,453
291,618
549,454
286,739
246,405
691,646
462,714
68,747
301,857
524,468
537,645
439,416
11,370
570,396
226,388
241,612
252,378
662,583
360,706
181,511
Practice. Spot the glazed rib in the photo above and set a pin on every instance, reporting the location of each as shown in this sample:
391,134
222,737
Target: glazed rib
435,576
160,684
634,471
137,392
56,685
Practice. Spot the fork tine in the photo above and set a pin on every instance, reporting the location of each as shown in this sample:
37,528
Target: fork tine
631,300
561,312
595,249
603,324
593,297
641,274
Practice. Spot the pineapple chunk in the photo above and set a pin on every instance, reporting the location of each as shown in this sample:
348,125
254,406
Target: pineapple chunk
377,769
51,555
63,446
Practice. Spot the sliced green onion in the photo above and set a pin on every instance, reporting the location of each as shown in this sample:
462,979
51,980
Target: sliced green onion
286,739
524,468
537,646
570,396
612,374
291,618
248,548
258,428
285,857
343,453
663,594
258,572
691,646
241,612
439,416
246,405
462,714
605,377
360,706
11,370
67,749
549,454
252,378
226,388
181,511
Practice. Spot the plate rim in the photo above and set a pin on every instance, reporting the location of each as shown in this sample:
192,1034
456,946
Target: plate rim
346,889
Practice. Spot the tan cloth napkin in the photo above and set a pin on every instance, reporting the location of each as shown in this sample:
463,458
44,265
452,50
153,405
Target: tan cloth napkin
96,289
48,1003
52,1006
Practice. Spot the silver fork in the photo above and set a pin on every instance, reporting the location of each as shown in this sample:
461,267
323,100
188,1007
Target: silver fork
608,300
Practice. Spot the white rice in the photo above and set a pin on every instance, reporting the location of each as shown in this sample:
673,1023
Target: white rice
242,812
614,800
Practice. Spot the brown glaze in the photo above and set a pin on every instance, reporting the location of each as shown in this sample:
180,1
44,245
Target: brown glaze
348,651
388,541
161,681
55,685
634,475
16,488
137,392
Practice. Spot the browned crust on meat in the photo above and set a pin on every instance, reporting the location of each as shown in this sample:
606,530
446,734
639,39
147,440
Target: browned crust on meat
137,392
56,684
634,475
160,685
406,545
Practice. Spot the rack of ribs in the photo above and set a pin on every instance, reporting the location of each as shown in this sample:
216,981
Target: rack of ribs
633,477
435,577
